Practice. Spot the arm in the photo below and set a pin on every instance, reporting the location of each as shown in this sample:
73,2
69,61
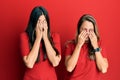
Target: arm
71,60
30,59
51,53
101,62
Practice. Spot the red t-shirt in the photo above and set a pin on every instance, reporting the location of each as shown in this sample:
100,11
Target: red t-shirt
86,69
42,70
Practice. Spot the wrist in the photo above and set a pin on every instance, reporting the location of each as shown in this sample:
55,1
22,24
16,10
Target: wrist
95,46
45,38
97,49
79,45
38,38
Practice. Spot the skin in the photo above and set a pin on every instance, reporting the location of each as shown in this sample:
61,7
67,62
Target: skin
41,33
86,33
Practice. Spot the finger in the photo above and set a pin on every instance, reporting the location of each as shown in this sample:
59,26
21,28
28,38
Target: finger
82,33
85,35
38,26
91,34
45,26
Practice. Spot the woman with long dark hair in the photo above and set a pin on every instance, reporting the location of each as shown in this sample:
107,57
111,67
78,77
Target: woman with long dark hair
85,56
40,49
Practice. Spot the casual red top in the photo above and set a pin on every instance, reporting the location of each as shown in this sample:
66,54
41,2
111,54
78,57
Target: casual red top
86,69
43,70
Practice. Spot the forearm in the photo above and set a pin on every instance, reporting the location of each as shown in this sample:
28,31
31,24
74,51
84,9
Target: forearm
73,59
101,62
51,53
30,59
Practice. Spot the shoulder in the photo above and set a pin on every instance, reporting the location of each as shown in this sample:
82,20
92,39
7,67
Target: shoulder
70,43
69,47
24,35
55,35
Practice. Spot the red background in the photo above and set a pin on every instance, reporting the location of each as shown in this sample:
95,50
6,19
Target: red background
64,14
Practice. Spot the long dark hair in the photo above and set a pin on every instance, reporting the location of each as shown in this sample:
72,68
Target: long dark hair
34,16
90,18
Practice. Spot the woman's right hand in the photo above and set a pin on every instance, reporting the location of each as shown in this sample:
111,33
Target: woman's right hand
82,37
39,30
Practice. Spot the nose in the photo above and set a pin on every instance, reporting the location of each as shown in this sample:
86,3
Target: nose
87,30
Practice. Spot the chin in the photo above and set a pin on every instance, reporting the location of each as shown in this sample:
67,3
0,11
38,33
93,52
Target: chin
87,40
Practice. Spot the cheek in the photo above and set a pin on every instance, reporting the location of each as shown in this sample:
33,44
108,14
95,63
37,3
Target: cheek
80,31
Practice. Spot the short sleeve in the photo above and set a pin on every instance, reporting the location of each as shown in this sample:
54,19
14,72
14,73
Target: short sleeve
24,44
69,48
56,40
103,50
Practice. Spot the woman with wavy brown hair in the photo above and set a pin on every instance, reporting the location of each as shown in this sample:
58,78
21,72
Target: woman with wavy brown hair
85,56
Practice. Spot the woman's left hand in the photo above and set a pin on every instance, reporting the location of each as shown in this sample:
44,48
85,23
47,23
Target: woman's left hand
93,39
